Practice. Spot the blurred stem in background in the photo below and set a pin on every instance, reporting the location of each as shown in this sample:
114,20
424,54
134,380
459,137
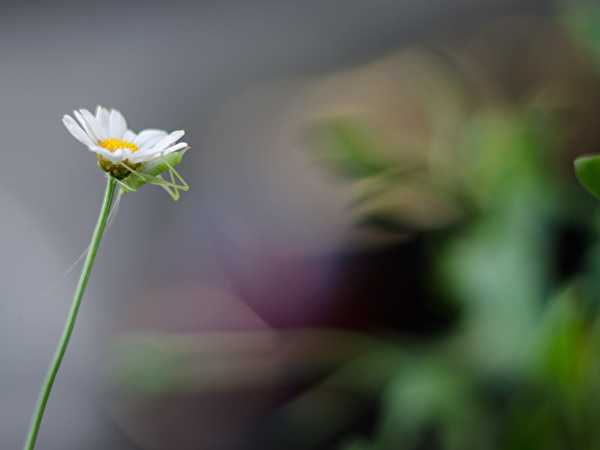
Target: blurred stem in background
36,420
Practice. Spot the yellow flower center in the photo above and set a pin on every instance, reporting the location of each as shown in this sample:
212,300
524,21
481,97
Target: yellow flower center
113,144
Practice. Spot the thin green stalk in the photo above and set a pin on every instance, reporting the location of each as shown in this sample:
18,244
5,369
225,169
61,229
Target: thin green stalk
38,414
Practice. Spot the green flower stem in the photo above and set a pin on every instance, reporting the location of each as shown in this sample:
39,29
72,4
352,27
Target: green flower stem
36,420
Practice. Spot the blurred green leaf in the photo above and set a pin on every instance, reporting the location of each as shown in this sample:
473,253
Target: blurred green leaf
499,270
582,20
587,169
407,206
430,399
561,351
506,152
351,148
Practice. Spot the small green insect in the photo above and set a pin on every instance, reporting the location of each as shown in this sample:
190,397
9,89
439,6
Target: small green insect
152,174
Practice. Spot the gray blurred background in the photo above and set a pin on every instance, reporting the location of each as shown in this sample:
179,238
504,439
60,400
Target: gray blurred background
229,73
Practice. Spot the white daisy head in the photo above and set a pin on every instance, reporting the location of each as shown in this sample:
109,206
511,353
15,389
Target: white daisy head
118,148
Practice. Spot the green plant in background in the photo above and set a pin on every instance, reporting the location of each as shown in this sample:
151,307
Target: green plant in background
587,169
519,371
491,266
582,23
391,194
520,368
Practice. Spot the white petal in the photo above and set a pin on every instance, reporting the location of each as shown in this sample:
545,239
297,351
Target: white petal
129,136
143,158
85,126
127,153
165,142
114,157
102,116
139,157
94,125
149,148
150,154
176,148
119,154
77,132
151,143
118,125
145,135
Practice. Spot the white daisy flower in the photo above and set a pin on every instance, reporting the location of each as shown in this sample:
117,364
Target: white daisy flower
117,147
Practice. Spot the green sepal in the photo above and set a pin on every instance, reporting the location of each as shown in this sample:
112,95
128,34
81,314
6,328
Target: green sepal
587,169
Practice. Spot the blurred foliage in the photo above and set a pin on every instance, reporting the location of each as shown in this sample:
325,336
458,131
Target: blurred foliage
350,150
582,22
482,170
520,370
587,169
